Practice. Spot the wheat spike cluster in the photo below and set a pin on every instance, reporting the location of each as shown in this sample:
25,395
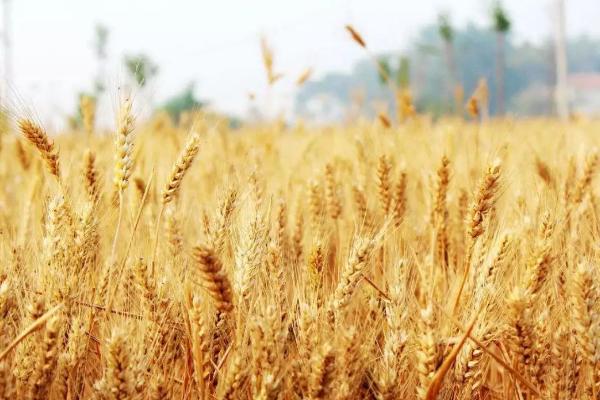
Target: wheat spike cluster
448,259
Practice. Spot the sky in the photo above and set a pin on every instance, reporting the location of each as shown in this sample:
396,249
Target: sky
216,43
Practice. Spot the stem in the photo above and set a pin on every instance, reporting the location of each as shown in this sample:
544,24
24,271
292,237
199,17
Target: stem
155,249
374,286
116,238
129,244
465,276
491,353
37,324
500,72
112,260
431,277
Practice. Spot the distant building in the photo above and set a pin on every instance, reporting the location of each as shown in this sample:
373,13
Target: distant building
584,93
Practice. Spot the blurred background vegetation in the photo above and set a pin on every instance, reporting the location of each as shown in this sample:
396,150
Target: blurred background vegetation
529,81
440,68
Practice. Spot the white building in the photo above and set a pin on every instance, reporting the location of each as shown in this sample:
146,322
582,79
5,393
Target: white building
584,93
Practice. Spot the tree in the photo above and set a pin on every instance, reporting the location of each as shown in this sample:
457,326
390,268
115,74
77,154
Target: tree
399,76
501,24
403,73
100,43
184,101
446,33
141,68
384,70
76,120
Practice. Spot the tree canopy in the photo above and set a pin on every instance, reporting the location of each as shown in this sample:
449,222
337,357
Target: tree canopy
141,68
500,18
183,101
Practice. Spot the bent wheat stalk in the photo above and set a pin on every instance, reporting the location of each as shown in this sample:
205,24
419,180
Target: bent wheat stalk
37,324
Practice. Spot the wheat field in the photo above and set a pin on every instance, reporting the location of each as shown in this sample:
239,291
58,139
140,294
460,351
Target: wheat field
451,259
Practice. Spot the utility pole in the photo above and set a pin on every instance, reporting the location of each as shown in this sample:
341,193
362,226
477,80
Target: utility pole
6,42
562,106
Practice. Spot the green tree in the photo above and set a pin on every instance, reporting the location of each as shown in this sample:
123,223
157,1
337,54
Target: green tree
384,71
501,25
183,101
141,68
403,73
75,120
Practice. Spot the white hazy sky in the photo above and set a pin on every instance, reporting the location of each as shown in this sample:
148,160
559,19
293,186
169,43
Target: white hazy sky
216,43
